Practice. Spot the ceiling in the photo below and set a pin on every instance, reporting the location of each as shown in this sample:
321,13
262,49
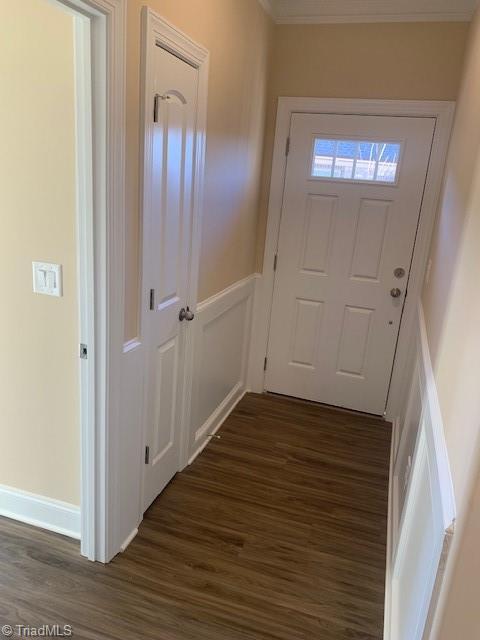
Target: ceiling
318,11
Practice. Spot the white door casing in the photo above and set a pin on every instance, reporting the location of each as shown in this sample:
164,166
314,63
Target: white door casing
334,324
168,216
100,28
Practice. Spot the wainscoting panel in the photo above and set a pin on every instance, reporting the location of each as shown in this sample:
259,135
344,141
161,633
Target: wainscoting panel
221,344
421,505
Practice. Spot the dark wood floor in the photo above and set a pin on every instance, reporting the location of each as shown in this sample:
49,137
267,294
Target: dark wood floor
276,531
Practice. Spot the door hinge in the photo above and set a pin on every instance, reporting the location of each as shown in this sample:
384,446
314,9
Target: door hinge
275,260
265,363
155,108
287,146
152,299
83,351
147,454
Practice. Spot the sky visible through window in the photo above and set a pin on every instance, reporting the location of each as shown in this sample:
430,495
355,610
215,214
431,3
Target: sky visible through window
355,160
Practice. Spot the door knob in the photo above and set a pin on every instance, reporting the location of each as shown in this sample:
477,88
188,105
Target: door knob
395,292
186,314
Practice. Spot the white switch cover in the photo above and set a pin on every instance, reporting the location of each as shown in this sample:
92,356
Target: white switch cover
47,278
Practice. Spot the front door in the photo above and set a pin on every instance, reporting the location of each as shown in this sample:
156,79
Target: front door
167,240
352,199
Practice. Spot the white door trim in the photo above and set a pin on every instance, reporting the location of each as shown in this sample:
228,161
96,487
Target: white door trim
100,34
158,31
443,113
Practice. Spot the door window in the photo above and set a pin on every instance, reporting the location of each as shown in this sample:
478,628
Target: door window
356,160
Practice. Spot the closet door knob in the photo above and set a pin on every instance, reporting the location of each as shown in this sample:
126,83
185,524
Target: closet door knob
186,314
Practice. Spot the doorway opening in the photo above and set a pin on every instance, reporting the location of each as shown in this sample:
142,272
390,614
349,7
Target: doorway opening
65,222
175,75
339,165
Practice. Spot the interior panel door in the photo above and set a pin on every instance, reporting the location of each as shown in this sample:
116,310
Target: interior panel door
352,199
167,239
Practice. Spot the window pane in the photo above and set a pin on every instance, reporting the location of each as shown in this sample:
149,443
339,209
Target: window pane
363,160
346,153
366,161
388,156
323,155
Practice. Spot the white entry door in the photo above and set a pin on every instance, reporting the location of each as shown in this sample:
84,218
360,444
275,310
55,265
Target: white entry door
166,264
352,199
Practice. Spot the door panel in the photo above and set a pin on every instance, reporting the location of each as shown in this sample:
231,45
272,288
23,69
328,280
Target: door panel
318,234
165,392
167,239
353,343
352,198
369,240
305,332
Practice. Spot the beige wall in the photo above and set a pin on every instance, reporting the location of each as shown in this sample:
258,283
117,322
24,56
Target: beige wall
452,312
411,61
238,35
451,303
39,431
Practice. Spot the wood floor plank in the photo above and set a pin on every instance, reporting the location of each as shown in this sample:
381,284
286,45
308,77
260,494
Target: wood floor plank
276,532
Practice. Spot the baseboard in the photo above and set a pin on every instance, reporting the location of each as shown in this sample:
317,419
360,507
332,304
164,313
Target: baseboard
39,511
128,540
218,417
395,435
390,521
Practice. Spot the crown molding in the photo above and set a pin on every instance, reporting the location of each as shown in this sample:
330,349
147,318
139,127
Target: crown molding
355,18
368,11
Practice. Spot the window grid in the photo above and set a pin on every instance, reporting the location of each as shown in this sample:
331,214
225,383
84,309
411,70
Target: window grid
336,164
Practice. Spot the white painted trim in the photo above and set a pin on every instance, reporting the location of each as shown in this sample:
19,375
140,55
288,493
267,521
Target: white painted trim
431,450
368,11
443,112
85,263
100,35
128,540
218,417
457,16
39,511
390,521
158,31
213,314
432,408
234,289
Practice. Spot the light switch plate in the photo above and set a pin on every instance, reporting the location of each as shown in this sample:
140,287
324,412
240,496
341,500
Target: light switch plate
47,278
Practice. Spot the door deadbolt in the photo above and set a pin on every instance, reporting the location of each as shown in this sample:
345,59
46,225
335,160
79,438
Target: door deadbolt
399,272
186,314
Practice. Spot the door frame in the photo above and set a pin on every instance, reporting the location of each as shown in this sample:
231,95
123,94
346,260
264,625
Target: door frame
156,31
99,42
443,113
